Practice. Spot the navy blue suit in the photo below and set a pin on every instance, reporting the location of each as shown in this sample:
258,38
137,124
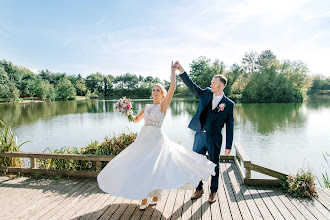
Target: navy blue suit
208,125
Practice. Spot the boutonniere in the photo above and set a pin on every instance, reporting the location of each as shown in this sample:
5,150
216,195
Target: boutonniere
221,107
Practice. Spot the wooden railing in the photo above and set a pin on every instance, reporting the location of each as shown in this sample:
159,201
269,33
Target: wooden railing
33,169
241,159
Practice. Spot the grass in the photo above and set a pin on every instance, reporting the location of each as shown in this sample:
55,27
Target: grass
325,181
8,142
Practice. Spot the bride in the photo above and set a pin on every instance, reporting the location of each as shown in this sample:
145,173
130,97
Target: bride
153,162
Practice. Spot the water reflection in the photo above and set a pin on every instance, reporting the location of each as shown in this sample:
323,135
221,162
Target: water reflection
267,118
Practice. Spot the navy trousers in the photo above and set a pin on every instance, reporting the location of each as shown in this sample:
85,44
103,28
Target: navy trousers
205,143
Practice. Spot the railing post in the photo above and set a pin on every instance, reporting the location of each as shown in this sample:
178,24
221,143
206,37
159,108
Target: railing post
32,162
98,165
247,169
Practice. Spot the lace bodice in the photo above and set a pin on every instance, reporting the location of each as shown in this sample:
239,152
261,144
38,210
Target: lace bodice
153,116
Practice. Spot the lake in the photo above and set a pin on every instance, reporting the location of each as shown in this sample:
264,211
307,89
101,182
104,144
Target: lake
284,137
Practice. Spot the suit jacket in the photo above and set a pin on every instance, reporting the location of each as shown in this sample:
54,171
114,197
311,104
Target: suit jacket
222,117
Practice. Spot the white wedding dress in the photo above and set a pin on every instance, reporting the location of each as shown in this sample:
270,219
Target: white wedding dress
152,163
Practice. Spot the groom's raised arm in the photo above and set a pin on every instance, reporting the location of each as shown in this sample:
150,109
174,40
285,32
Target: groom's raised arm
194,88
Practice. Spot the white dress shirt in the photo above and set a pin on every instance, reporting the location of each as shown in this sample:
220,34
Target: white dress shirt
216,100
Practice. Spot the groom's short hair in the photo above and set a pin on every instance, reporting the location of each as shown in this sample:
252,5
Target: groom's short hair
222,78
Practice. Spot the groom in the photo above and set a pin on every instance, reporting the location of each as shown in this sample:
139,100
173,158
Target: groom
214,110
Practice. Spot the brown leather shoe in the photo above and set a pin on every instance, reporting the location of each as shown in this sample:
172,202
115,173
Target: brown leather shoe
212,197
197,194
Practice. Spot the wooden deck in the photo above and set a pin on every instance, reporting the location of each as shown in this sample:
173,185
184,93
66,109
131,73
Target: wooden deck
28,198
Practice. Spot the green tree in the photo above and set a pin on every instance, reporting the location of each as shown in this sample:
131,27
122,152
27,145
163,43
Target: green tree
80,87
65,90
94,82
107,85
45,91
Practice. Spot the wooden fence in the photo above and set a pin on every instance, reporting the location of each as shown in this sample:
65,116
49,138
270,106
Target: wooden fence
241,159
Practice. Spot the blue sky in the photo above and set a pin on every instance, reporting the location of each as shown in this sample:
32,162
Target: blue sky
143,37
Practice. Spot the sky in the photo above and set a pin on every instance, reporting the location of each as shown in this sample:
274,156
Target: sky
143,37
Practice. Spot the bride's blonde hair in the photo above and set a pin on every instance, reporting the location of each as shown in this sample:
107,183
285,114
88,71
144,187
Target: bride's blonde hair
162,89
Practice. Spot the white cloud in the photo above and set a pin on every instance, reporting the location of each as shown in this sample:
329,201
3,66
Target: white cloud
102,20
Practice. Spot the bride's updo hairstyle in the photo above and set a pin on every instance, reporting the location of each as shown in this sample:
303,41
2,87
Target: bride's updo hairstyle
164,92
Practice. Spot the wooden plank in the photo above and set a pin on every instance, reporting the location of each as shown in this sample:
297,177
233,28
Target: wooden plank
87,208
314,208
295,202
324,199
48,172
215,209
84,198
97,206
226,157
196,211
22,204
43,206
111,209
138,214
262,182
121,209
206,207
3,179
186,210
326,191
269,203
130,210
260,204
243,155
178,205
168,210
89,157
235,211
110,200
13,192
28,194
239,169
242,204
223,197
284,205
246,195
60,204
9,188
160,206
266,171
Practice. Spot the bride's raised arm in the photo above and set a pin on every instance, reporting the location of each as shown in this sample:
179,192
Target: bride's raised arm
167,100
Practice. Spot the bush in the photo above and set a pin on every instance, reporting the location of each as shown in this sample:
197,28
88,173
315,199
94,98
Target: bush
111,146
65,90
8,142
300,185
45,91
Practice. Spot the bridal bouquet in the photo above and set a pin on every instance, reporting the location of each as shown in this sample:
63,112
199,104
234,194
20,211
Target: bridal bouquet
124,105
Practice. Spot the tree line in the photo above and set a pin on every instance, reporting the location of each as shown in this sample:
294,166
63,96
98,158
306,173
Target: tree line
259,78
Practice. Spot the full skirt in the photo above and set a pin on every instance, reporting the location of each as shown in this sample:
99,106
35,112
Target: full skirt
151,163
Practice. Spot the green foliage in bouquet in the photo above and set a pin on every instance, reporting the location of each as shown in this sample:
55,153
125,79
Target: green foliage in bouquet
300,185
